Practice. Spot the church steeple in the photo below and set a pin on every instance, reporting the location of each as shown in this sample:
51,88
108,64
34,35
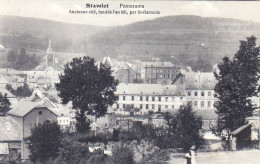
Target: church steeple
49,57
49,50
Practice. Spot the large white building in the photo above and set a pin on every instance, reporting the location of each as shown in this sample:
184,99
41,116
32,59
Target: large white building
150,97
199,88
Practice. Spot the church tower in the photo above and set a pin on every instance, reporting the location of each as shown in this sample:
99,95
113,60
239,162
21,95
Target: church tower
49,57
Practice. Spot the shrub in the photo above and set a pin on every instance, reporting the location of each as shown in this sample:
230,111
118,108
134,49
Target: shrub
44,141
123,155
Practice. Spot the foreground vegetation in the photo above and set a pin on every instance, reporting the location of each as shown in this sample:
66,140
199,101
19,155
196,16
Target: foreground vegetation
139,144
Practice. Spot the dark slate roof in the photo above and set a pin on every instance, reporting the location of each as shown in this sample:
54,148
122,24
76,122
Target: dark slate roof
240,129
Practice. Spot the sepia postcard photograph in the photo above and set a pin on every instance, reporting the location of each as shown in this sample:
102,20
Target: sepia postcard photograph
129,82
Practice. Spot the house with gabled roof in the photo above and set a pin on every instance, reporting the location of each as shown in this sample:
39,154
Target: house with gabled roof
29,114
10,139
124,73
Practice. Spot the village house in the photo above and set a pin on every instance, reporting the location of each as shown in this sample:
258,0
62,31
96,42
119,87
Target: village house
49,101
63,119
29,114
124,72
10,140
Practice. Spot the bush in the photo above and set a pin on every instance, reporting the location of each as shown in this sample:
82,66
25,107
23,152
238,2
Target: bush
123,155
97,157
72,151
91,137
44,142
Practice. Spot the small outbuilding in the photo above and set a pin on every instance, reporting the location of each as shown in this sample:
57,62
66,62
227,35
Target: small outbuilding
241,137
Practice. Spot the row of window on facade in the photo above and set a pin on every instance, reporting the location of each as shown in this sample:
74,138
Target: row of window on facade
64,121
154,70
153,98
160,76
202,93
141,106
195,104
202,104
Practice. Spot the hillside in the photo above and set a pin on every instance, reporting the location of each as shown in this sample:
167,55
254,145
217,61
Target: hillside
195,41
34,33
188,40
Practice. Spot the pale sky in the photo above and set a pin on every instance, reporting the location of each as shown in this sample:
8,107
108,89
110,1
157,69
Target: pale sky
59,10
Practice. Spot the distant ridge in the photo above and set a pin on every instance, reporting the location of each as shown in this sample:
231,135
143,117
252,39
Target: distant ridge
40,30
199,42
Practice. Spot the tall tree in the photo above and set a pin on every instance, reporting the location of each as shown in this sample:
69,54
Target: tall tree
185,127
4,105
89,87
237,83
24,91
44,142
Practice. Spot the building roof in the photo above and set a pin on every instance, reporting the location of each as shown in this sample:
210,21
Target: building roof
156,116
43,81
240,129
9,94
150,89
42,90
30,80
54,99
10,71
61,110
200,80
42,67
14,79
210,136
3,80
10,129
24,106
157,64
126,66
107,61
